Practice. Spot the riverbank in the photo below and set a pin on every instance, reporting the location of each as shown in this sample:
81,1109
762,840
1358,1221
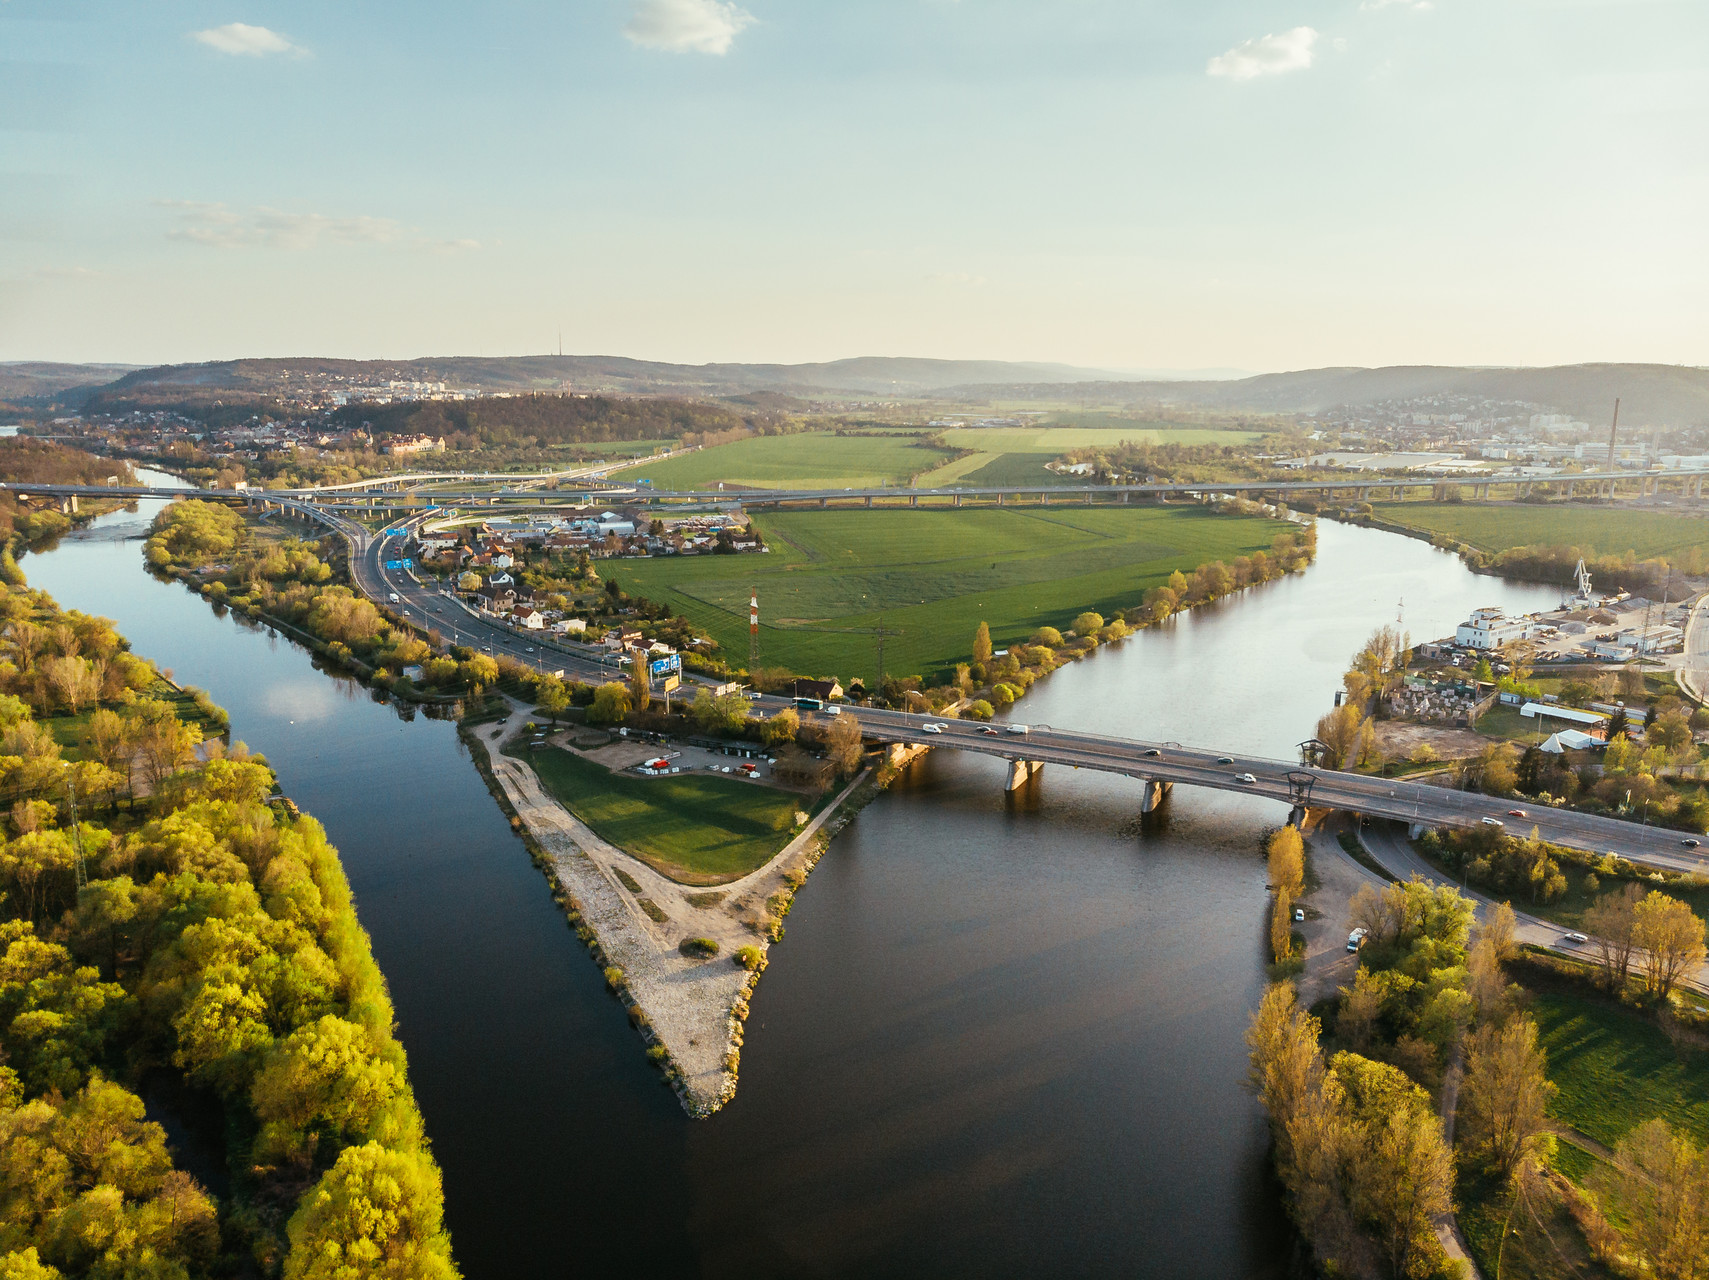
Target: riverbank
648,932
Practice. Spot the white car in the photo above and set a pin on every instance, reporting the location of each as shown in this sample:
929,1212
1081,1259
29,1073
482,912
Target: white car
1574,937
1244,777
930,728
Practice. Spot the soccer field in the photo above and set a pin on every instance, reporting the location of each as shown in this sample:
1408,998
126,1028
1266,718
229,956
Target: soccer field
933,575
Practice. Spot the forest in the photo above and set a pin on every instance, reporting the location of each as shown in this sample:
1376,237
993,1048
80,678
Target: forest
179,944
29,461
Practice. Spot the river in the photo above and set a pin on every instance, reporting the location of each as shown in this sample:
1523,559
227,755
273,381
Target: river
1003,1036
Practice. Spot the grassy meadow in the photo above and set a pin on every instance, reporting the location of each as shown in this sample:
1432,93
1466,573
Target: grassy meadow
694,828
934,575
813,460
1495,527
1017,455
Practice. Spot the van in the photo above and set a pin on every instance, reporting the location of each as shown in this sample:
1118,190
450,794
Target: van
1356,939
393,597
1017,728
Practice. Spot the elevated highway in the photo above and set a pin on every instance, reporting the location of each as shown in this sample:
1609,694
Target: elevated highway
1687,481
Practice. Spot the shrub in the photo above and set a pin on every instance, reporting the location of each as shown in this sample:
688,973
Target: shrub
614,977
1088,624
698,948
980,710
656,1052
750,958
626,880
1050,637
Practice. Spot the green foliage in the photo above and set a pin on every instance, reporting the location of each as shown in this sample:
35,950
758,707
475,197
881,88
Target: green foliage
750,958
698,948
375,1214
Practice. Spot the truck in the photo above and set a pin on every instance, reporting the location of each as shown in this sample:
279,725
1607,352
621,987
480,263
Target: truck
393,597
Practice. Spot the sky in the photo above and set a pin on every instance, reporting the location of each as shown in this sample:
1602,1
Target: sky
1123,184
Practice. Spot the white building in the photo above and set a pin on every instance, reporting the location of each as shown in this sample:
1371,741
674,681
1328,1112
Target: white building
1490,629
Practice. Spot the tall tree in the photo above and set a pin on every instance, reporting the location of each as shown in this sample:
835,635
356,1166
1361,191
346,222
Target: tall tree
1285,852
982,644
1505,1095
1661,1184
1611,920
1671,937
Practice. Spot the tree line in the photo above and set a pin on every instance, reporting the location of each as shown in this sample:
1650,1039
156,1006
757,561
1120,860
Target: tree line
185,924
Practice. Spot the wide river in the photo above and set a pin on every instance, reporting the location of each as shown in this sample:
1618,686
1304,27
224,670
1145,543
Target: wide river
1002,1038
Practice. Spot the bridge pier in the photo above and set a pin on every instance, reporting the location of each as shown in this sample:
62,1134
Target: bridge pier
999,499
1156,791
869,499
1021,772
913,499
824,502
1124,497
958,499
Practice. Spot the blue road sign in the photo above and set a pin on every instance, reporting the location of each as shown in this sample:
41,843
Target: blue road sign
665,665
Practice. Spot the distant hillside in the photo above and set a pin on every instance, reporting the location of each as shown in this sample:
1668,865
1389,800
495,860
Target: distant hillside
37,381
1650,394
865,375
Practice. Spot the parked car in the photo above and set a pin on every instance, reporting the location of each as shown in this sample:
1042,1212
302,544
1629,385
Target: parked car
1574,937
1356,939
1299,914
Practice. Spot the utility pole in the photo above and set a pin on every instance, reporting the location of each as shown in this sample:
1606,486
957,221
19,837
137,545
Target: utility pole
76,830
753,632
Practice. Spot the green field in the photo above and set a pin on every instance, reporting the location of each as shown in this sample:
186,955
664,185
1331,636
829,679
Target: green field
1603,530
1017,455
809,461
695,829
933,574
1616,1069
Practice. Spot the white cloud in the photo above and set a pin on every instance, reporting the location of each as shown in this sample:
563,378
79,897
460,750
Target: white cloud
686,26
220,227
244,41
1419,5
1266,56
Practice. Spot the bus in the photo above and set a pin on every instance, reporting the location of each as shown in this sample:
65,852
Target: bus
809,704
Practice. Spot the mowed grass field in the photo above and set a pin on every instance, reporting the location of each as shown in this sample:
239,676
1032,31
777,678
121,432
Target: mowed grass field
934,575
1606,531
1017,455
814,460
1616,1069
696,829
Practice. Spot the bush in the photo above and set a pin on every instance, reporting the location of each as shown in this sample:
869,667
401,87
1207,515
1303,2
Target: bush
1088,624
1050,637
750,958
698,948
656,1052
980,710
614,977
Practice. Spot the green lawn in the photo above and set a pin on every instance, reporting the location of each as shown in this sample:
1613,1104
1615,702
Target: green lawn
1601,530
1017,455
1616,1068
806,461
696,829
933,574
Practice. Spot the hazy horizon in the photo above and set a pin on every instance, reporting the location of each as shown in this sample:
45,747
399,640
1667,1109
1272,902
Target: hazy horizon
1157,187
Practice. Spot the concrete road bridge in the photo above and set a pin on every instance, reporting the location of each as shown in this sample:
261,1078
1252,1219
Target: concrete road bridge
1157,766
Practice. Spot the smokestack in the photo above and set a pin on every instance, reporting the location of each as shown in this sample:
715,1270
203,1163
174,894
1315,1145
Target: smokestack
1612,432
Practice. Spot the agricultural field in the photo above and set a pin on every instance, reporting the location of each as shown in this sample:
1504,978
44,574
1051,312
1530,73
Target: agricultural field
813,460
695,829
933,575
1017,455
1497,526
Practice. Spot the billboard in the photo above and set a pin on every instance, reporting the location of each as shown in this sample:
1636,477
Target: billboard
668,663
672,683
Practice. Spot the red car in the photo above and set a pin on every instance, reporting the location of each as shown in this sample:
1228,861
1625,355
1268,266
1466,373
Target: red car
1517,813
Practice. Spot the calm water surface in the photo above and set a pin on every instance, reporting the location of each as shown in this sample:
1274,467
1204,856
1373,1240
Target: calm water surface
1002,1038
